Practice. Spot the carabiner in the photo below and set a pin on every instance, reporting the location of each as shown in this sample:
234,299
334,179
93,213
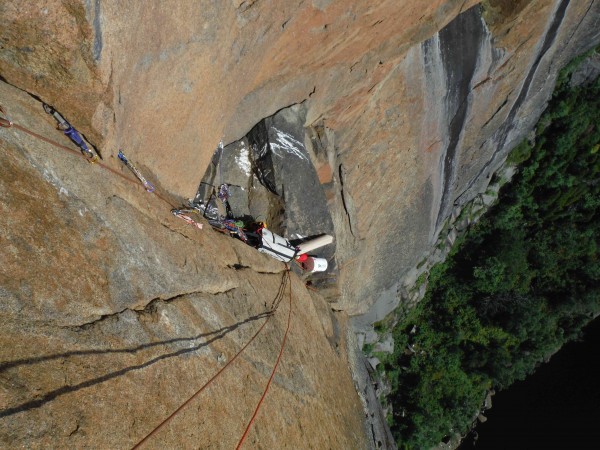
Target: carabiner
5,121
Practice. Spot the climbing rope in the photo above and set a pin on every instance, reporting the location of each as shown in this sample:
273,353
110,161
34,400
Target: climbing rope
75,152
8,123
245,435
284,281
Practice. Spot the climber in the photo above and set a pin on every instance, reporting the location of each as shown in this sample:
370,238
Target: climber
72,133
281,249
312,264
257,235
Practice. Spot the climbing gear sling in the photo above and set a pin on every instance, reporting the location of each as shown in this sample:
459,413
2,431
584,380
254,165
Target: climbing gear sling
136,172
72,133
181,213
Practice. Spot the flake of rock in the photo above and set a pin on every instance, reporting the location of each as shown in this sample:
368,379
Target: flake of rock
374,362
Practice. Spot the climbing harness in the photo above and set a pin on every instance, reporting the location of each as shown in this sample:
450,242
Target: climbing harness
5,121
136,172
72,133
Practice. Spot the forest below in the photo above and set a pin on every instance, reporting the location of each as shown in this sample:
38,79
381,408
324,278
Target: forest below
516,287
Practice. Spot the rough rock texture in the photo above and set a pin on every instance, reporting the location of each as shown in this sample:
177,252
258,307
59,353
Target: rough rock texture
162,78
410,107
114,313
438,127
414,106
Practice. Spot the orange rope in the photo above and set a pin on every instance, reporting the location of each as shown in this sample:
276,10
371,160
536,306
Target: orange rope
174,413
245,435
75,152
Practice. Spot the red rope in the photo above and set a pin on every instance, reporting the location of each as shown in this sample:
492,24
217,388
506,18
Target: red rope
243,438
174,413
75,152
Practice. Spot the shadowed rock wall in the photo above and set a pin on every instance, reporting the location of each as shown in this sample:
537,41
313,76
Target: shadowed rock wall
435,130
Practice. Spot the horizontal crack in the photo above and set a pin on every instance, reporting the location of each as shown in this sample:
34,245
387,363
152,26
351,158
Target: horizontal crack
168,352
149,308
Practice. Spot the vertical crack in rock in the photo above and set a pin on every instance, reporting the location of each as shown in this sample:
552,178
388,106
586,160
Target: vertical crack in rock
503,132
97,32
576,28
500,108
548,41
460,43
343,194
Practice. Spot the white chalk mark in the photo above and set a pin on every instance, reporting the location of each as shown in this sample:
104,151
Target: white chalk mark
243,161
288,144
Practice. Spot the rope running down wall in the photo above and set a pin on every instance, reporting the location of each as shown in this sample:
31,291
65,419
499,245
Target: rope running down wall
7,123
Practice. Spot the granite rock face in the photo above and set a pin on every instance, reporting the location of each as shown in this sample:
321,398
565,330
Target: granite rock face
172,78
114,313
408,111
437,128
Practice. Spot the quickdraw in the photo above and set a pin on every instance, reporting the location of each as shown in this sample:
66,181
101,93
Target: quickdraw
149,187
71,133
